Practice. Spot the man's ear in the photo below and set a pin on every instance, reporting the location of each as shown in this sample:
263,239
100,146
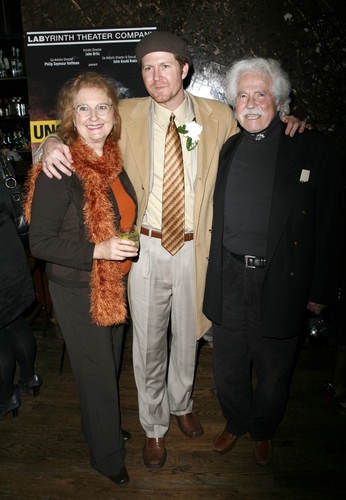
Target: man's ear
185,70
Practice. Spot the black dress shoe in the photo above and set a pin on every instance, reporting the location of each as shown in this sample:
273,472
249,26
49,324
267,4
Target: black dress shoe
23,386
12,405
120,478
126,436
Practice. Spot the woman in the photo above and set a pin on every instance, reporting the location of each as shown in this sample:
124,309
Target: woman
74,225
17,341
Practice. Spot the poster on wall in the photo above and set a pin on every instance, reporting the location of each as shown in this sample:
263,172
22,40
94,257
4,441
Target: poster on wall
58,55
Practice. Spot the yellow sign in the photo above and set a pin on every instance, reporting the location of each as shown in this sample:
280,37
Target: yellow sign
39,130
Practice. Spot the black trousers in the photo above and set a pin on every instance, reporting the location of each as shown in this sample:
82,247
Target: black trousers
17,342
238,347
94,353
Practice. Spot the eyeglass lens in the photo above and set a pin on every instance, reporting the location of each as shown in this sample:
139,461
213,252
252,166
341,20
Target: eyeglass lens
101,109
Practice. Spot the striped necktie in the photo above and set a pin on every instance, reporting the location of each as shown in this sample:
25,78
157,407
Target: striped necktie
173,195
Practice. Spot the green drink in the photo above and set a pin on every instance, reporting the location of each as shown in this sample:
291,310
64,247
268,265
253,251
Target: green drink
130,234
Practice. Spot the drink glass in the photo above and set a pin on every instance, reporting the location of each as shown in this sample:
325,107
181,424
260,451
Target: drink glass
130,233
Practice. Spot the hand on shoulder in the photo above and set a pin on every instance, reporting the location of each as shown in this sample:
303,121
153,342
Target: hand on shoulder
294,124
56,158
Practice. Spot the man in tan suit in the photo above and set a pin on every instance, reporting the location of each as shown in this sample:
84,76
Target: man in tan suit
163,288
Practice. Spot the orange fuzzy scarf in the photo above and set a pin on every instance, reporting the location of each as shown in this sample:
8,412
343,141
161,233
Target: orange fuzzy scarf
107,298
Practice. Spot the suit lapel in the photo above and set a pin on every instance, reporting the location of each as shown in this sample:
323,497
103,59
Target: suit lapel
138,139
289,164
226,157
208,138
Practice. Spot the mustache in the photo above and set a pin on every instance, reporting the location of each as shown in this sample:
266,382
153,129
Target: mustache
252,112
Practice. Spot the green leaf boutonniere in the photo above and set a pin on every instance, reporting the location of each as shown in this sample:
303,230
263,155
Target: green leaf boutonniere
192,131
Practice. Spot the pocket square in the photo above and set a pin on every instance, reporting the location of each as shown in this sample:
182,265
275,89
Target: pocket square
304,176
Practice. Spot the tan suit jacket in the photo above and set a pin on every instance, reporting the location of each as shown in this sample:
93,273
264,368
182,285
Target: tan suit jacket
218,125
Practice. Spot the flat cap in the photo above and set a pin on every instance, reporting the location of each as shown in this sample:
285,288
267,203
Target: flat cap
162,41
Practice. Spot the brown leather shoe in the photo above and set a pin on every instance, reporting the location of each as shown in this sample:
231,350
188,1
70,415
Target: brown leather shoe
263,452
190,425
224,442
154,452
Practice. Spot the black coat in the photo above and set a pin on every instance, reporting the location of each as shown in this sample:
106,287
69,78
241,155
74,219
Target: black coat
16,286
305,244
58,233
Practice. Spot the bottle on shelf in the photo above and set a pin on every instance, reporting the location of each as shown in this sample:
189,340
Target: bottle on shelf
6,63
4,148
15,140
25,138
3,72
19,63
23,109
13,62
14,122
5,110
20,107
7,141
20,141
12,109
12,68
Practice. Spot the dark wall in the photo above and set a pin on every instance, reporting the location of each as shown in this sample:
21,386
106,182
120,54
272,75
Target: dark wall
10,17
307,36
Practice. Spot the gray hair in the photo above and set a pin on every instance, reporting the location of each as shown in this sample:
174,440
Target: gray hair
281,86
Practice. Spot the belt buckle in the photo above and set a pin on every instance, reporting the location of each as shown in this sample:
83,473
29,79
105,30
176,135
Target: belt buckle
247,257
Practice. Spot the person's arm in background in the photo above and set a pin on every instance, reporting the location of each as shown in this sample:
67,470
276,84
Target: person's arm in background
329,229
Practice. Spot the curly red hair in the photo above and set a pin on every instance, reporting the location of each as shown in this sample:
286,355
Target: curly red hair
66,99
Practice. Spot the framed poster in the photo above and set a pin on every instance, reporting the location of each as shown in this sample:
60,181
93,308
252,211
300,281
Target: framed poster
56,56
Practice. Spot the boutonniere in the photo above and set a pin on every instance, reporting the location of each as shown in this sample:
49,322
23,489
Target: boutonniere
192,131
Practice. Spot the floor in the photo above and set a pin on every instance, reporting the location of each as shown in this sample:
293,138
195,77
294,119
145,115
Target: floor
43,454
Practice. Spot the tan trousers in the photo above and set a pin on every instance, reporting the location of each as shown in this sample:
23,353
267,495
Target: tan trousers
162,290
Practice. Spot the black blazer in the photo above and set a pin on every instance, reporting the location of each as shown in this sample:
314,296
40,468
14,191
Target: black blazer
306,233
58,232
17,289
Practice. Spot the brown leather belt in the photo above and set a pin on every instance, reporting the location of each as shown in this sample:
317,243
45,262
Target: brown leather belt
156,234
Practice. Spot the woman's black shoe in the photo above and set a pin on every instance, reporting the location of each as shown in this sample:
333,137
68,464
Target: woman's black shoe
12,405
126,436
120,478
331,392
33,383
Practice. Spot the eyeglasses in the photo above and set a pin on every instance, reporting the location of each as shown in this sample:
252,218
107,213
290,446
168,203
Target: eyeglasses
85,111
